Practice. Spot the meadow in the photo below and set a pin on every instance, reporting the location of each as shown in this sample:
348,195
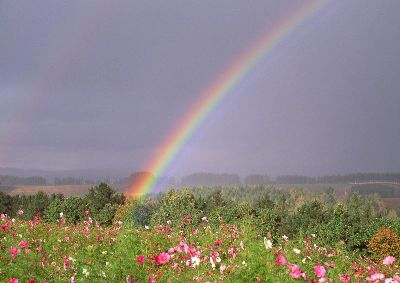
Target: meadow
201,235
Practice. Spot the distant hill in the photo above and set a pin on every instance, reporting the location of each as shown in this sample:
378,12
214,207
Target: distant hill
90,174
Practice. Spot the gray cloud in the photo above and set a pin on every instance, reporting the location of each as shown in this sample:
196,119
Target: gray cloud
100,84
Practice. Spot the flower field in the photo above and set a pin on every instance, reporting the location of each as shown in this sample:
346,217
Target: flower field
208,248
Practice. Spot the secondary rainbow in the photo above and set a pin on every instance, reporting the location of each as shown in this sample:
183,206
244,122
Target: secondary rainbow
213,95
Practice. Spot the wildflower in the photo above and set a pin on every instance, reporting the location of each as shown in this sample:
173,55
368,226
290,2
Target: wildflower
267,243
162,258
344,278
61,215
152,278
212,262
218,259
171,250
23,244
14,251
295,271
73,278
169,222
86,231
13,280
20,212
319,271
285,237
388,260
280,260
222,268
375,277
195,261
140,259
204,218
146,227
86,212
296,251
85,272
66,263
241,245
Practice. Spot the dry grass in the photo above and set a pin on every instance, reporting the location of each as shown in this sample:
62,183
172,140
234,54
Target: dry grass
67,190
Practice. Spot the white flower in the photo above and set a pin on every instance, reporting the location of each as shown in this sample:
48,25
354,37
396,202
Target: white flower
61,215
285,237
85,272
296,251
204,218
218,259
244,263
212,262
146,227
195,261
267,243
104,252
71,259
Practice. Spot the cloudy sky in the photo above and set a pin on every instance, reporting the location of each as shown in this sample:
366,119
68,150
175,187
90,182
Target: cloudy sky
101,84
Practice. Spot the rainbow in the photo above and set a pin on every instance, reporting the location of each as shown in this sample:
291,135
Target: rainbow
213,96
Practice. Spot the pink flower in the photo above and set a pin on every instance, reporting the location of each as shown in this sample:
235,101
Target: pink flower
14,251
152,278
23,244
295,271
171,250
375,277
140,259
20,212
388,260
66,263
13,280
86,231
344,278
163,258
319,271
280,260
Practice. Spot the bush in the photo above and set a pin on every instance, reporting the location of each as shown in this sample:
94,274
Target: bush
231,212
384,243
174,206
72,209
103,197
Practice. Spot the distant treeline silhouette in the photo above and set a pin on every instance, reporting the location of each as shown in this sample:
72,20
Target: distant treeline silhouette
14,180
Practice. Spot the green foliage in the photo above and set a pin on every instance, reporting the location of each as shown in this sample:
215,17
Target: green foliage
174,205
102,203
231,212
142,211
72,209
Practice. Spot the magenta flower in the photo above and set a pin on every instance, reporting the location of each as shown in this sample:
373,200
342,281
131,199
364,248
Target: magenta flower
319,271
280,260
295,271
163,258
388,260
14,251
20,212
140,259
23,244
344,278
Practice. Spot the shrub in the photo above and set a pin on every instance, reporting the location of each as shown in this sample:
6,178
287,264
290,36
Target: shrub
174,206
231,212
384,243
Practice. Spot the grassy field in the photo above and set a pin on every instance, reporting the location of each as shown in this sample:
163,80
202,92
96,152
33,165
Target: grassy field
67,190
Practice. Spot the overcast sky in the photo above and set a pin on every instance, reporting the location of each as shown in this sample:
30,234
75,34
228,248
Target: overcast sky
100,84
